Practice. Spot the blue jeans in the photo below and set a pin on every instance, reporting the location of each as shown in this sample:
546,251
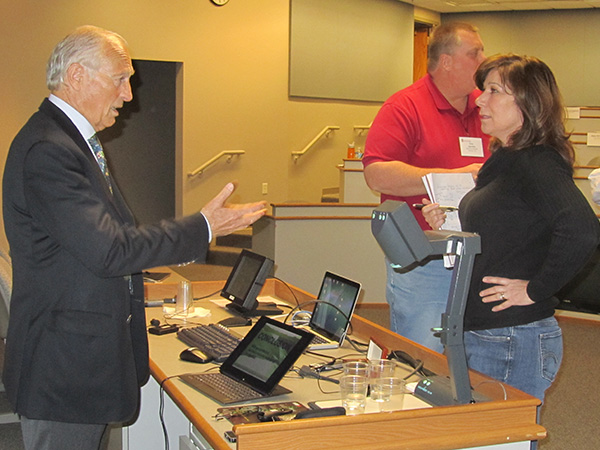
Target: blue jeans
417,298
526,356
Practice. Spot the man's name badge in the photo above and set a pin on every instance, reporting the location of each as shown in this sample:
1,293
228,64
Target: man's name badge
471,146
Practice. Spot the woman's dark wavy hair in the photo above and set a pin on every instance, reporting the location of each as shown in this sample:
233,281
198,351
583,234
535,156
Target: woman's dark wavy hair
536,93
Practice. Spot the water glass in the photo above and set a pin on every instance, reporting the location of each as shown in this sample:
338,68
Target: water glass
353,390
379,368
185,298
356,368
386,389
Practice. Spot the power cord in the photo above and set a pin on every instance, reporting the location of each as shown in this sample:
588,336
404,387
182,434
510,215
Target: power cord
416,364
355,345
309,302
308,372
290,289
175,313
161,410
161,405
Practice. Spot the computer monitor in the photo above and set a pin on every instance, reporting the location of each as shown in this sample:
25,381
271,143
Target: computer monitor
245,283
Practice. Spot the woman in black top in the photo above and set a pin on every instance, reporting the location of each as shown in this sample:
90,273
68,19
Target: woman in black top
537,229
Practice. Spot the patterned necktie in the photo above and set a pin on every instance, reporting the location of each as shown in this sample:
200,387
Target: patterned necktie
99,153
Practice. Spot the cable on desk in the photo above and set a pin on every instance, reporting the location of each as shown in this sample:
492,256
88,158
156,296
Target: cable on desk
323,391
355,346
407,359
293,369
357,343
301,317
177,312
307,372
303,304
321,355
291,290
334,359
188,321
415,371
208,295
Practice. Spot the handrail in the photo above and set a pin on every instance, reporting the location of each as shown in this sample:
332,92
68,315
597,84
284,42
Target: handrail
362,128
325,131
229,153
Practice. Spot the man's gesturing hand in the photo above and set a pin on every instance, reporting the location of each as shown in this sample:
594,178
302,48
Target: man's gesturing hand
225,219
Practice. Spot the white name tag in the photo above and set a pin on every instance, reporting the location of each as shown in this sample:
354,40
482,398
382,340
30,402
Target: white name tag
471,146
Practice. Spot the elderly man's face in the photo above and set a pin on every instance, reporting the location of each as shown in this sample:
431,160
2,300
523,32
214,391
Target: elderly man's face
105,90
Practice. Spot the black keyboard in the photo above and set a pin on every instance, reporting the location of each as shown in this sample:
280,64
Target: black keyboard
213,383
215,340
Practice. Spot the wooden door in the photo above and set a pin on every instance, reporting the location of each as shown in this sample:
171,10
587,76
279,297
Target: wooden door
420,50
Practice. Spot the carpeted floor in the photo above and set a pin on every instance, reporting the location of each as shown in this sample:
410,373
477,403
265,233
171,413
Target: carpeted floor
571,412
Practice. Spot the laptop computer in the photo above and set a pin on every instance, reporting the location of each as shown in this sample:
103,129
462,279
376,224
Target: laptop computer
256,366
330,323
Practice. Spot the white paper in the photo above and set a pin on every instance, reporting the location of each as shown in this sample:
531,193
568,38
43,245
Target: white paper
573,112
171,312
593,139
448,189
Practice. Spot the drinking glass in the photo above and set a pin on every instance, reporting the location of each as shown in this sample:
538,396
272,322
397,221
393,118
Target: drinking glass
353,390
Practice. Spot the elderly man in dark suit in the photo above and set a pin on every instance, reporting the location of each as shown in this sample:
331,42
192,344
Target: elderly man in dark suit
77,348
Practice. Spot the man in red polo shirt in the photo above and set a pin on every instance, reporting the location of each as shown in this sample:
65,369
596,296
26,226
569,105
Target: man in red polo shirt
431,126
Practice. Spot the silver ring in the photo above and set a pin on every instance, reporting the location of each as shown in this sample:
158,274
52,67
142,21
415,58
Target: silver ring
502,296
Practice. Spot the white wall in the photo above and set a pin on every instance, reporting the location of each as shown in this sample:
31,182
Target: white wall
235,76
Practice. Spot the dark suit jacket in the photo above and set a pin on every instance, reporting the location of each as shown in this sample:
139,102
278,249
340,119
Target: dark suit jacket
77,347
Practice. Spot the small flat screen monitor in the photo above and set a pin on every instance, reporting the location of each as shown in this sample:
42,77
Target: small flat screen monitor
245,283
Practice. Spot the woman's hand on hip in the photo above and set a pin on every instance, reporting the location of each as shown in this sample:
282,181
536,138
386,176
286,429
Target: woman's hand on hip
511,292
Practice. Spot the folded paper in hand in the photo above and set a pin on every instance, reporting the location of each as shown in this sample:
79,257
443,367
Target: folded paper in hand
448,189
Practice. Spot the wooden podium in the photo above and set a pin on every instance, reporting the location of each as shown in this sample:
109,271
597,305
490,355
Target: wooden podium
508,420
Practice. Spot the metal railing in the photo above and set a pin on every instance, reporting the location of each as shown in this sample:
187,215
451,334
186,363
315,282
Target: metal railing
225,153
360,129
324,132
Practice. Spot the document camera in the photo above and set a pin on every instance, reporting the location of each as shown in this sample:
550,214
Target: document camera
404,243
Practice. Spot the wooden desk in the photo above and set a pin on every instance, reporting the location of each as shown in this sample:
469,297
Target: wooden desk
507,422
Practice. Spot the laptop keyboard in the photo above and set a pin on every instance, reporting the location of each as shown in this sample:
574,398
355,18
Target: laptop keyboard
318,340
237,392
214,340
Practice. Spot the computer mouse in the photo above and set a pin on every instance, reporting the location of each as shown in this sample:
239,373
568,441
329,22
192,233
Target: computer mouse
235,321
194,354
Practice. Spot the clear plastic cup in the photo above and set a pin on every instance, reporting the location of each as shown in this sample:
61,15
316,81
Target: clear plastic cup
379,368
388,392
185,298
356,367
353,390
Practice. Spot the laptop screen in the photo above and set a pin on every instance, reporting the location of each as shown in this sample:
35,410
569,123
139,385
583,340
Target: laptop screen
266,353
342,293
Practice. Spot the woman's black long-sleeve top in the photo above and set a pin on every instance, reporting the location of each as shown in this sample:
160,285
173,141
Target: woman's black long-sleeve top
535,225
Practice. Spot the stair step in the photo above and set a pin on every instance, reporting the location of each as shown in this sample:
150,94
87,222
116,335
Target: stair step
239,239
220,255
330,199
330,195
